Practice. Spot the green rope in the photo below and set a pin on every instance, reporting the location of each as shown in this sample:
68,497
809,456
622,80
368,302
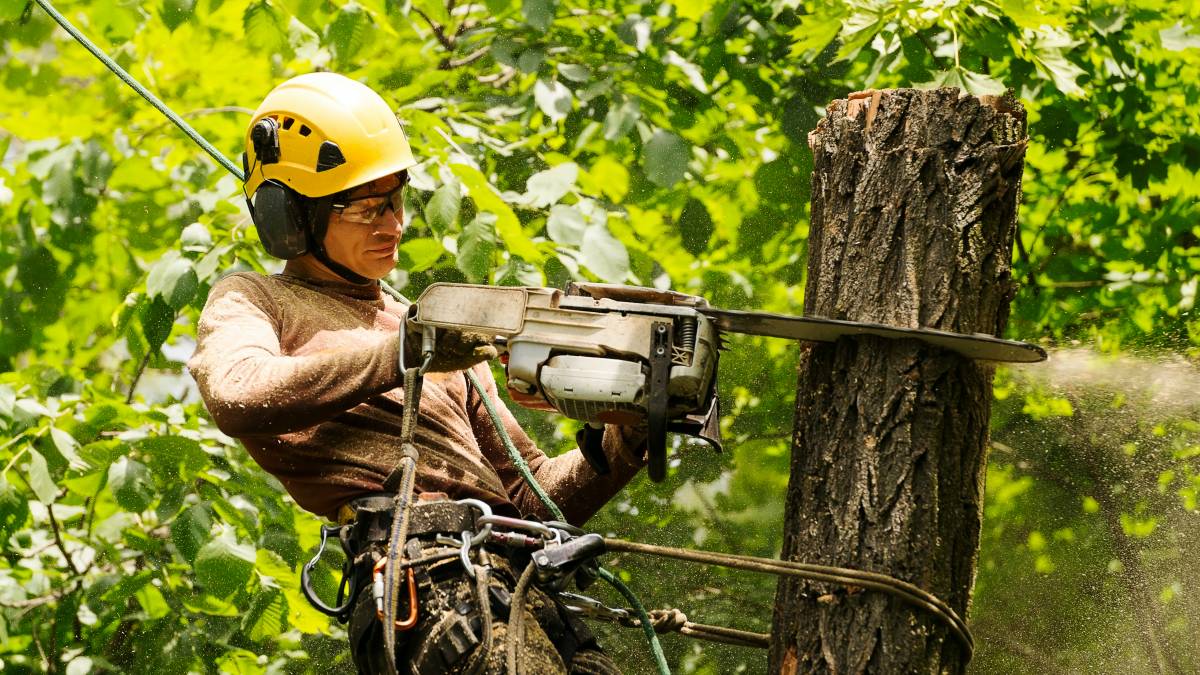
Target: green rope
128,79
660,659
514,455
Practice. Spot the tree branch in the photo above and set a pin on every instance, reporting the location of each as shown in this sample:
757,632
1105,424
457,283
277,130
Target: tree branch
438,30
59,540
448,64
137,376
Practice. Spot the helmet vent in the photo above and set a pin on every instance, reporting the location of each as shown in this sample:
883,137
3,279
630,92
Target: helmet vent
304,130
287,123
329,156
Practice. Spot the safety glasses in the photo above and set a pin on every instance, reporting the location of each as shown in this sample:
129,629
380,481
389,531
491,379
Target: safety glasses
367,208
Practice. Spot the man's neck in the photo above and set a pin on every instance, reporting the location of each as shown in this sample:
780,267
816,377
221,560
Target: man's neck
308,267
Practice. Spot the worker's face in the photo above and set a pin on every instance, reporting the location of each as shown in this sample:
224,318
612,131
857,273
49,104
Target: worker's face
364,233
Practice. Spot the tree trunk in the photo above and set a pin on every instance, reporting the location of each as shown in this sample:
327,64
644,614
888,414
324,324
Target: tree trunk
914,210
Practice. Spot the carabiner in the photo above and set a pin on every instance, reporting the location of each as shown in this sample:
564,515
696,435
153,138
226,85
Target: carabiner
377,587
341,611
464,553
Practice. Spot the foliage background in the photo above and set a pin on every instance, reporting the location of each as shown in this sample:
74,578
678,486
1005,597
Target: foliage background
657,143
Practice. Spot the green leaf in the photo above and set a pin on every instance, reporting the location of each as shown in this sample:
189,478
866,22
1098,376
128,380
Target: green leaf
814,34
68,447
477,248
1178,37
349,31
506,223
223,566
173,279
547,187
434,9
152,601
538,13
665,158
566,225
8,398
156,318
14,511
609,177
190,531
212,606
265,27
196,237
621,119
442,210
552,98
966,81
575,72
131,484
39,478
240,662
604,255
419,255
635,32
267,616
11,9
86,485
175,12
695,227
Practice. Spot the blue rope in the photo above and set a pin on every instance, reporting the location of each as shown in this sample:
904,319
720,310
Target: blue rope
128,79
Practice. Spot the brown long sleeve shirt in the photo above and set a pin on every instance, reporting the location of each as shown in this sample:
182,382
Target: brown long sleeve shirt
304,372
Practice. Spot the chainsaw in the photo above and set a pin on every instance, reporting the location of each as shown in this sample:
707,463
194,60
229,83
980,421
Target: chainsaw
612,354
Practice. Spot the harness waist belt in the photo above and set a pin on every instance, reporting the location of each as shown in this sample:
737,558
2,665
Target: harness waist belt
372,517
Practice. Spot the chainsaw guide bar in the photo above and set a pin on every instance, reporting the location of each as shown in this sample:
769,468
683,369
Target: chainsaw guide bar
979,346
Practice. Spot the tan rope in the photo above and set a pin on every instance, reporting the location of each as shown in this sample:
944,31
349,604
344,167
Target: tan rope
838,575
516,617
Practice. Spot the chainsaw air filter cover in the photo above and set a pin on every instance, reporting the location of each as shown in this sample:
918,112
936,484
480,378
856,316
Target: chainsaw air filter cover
594,389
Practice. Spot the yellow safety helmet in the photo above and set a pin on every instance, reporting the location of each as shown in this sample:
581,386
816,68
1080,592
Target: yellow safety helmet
332,132
315,136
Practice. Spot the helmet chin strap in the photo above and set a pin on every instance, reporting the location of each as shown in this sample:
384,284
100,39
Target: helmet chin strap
318,225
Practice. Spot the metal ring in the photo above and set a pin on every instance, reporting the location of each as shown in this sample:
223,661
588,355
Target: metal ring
486,510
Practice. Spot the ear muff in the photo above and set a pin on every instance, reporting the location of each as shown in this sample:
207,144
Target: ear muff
279,215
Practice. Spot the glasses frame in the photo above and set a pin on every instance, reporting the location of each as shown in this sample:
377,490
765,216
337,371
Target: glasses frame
394,200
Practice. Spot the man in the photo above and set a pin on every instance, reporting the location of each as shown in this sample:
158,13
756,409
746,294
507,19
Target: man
302,367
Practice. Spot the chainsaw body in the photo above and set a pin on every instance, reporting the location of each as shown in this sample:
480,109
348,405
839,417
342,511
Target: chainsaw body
604,353
596,353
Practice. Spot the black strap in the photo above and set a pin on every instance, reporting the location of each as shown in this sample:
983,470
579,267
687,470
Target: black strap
317,226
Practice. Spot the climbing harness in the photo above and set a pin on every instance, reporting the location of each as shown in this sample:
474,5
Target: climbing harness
560,552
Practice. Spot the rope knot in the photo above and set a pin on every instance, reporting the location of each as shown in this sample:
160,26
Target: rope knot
667,620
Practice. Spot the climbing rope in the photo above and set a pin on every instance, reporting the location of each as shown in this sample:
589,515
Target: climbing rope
663,621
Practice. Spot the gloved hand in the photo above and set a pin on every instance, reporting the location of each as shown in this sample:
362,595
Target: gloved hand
452,351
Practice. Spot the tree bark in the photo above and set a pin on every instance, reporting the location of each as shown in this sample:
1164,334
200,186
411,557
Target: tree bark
914,210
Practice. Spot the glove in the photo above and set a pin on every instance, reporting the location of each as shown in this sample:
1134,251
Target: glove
452,351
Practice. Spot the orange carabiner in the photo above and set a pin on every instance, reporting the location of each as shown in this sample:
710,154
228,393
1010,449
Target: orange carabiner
377,577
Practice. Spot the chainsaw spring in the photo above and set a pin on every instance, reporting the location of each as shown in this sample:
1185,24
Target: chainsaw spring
687,333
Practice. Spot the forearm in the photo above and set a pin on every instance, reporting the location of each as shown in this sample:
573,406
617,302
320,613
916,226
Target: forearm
252,385
571,482
255,392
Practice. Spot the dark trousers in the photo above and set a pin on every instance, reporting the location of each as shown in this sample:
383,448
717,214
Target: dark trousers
450,636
